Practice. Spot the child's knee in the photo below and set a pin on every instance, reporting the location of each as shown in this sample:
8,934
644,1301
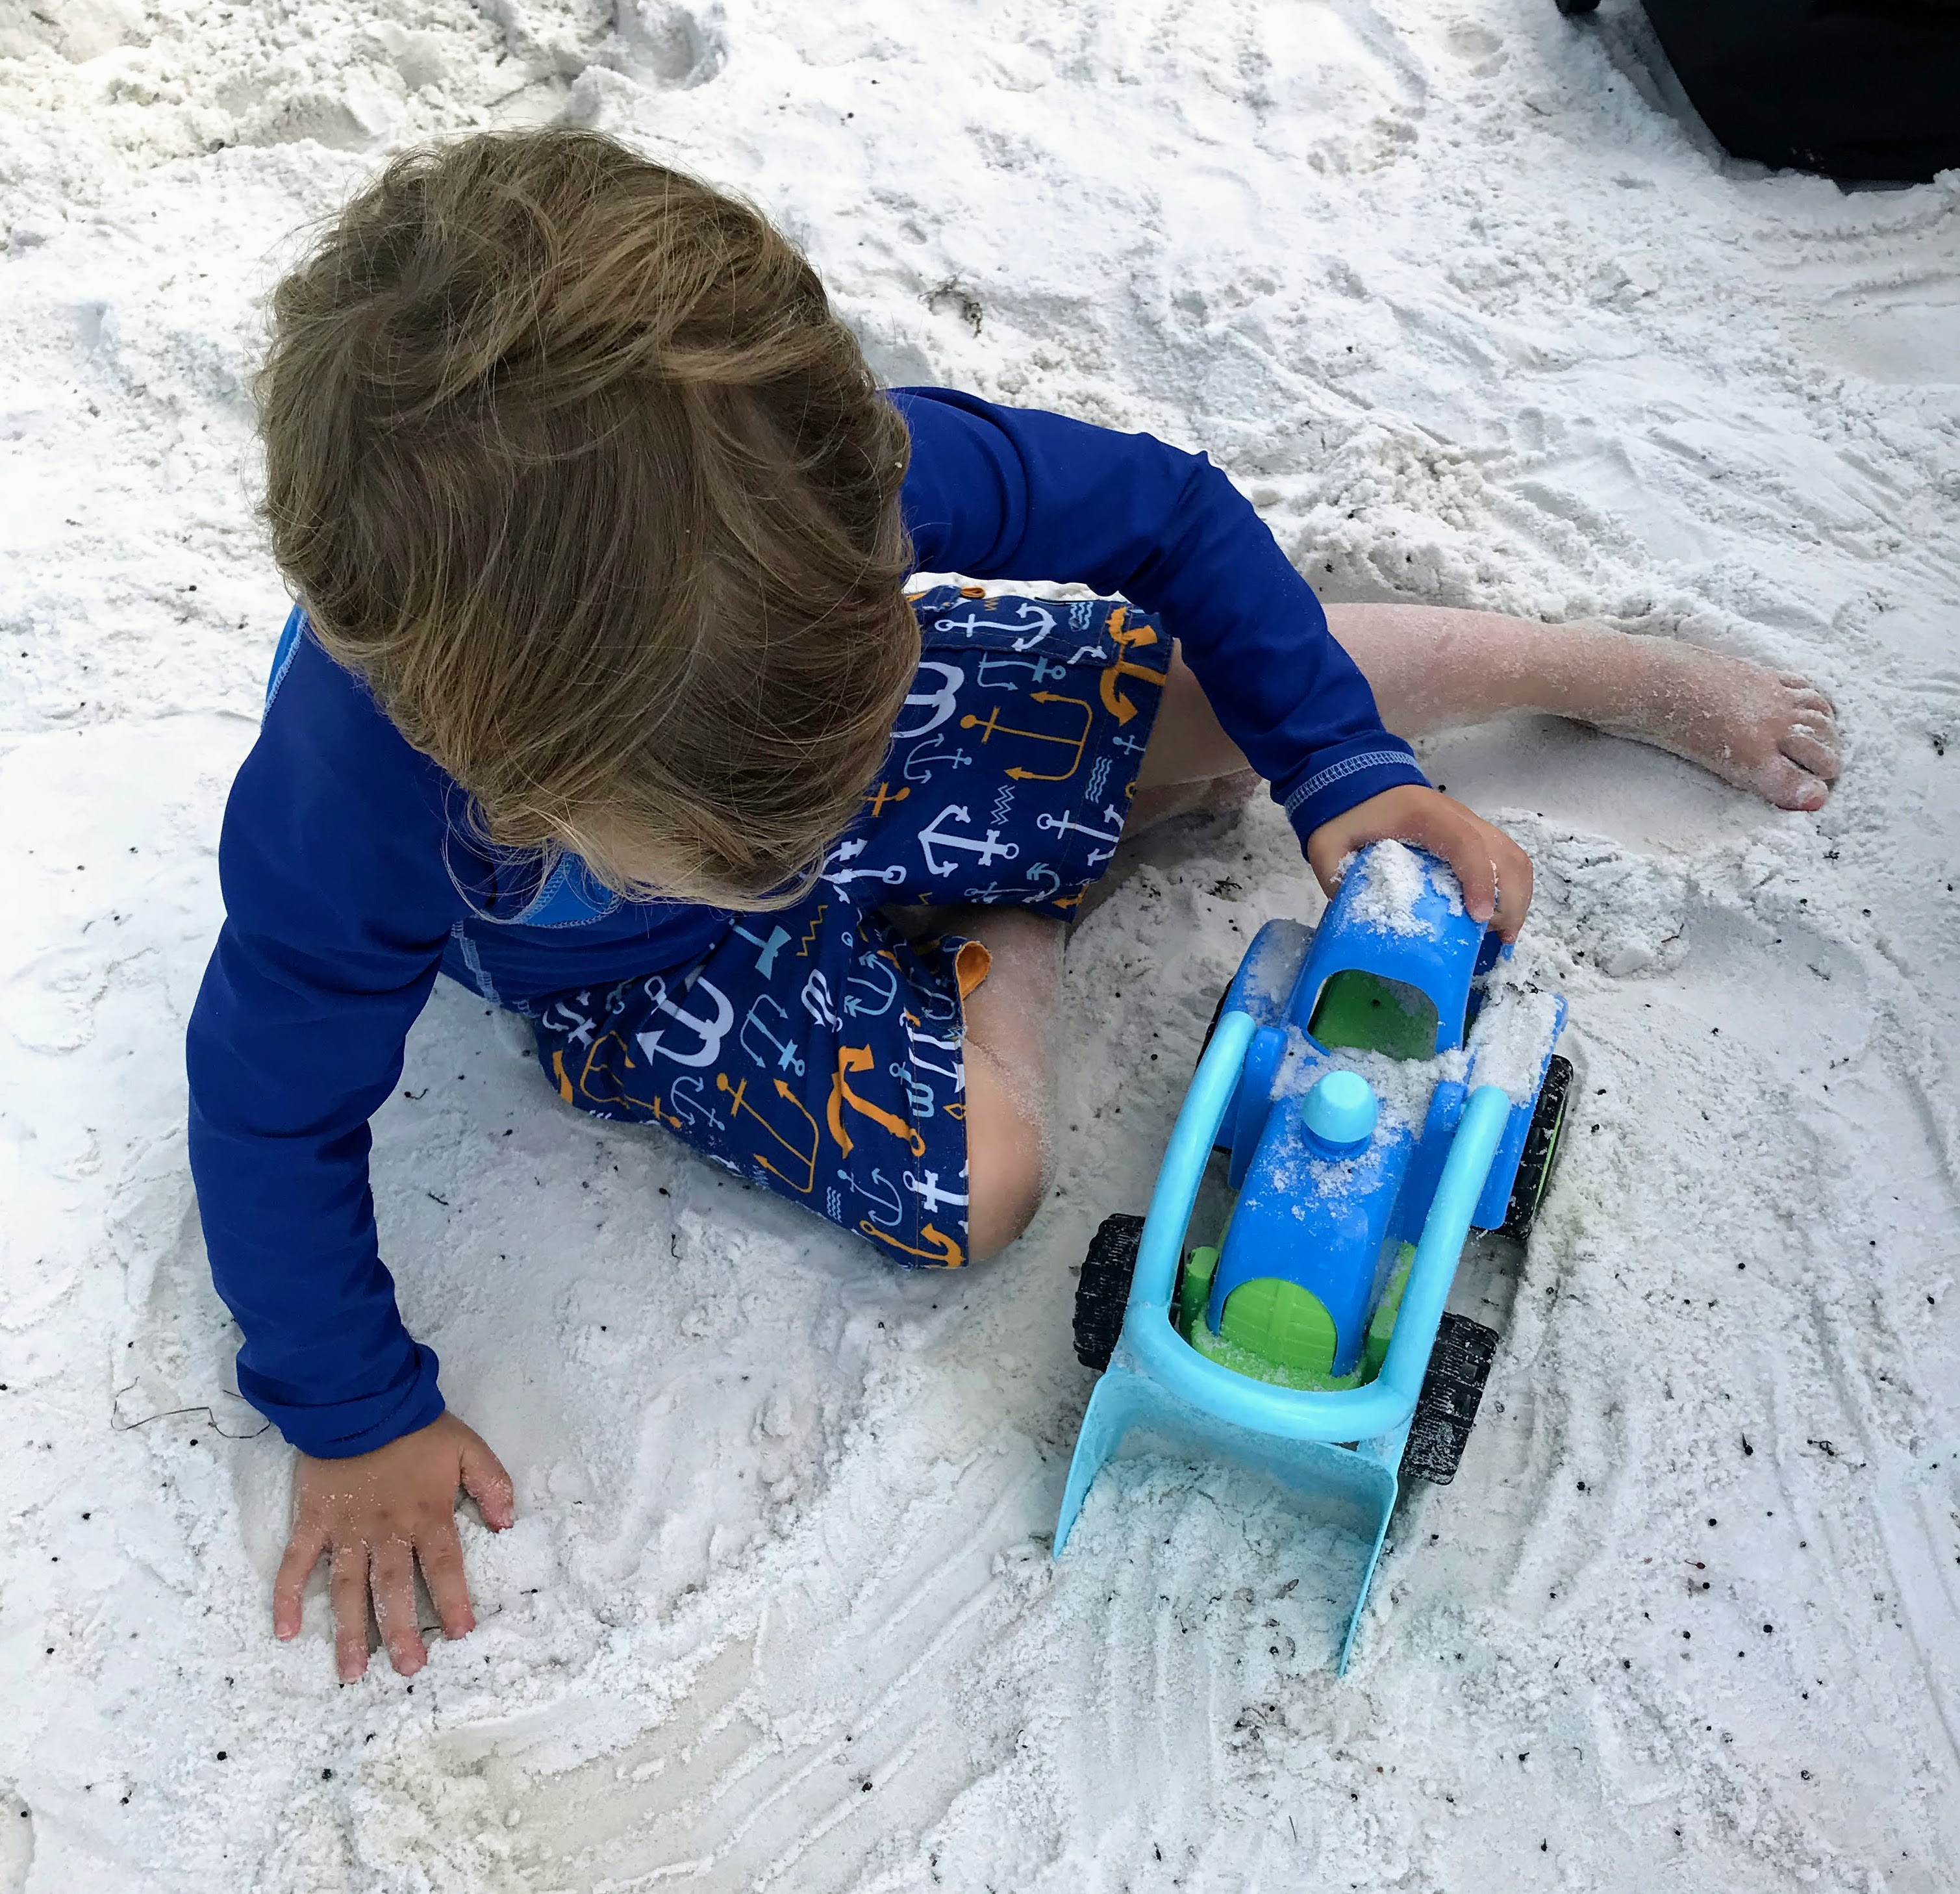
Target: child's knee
1008,1151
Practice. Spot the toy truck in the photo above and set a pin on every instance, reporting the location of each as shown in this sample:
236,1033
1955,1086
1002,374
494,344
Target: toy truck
1374,1094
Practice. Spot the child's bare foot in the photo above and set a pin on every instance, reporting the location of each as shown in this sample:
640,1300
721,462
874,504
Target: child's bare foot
1770,732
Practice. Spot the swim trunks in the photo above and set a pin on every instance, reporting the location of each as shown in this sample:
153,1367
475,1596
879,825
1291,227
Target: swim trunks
816,1048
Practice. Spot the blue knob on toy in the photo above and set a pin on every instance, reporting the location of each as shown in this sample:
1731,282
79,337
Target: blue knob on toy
1340,1113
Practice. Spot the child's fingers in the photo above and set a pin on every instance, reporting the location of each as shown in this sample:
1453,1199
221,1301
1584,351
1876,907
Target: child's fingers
1323,857
1515,882
484,1480
347,1586
1467,849
1495,874
440,1552
302,1552
393,1576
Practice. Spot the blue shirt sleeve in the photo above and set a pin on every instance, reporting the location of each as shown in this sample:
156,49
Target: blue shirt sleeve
338,906
1016,493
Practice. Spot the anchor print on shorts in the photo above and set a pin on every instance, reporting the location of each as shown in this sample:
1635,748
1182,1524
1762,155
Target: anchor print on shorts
818,1051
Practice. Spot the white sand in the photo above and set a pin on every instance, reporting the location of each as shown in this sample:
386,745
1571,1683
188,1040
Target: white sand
1391,881
1471,320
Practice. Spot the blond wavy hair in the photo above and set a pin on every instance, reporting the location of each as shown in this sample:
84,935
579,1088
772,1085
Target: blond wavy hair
569,457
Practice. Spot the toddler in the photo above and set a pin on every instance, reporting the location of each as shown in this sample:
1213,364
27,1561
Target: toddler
603,695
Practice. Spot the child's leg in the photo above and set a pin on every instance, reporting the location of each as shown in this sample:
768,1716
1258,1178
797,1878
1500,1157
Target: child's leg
1432,667
1189,765
1010,1052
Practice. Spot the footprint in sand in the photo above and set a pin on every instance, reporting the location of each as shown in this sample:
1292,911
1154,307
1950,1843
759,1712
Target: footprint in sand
675,47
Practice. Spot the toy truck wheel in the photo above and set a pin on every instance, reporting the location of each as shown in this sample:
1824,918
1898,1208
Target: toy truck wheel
1540,1150
1103,1291
1210,1032
1452,1389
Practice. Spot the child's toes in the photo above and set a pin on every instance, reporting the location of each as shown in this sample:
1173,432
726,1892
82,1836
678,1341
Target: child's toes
1789,786
1810,749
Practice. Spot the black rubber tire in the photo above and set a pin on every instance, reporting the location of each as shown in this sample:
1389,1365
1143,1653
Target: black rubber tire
1541,1151
1453,1390
1217,1013
1103,1291
1568,7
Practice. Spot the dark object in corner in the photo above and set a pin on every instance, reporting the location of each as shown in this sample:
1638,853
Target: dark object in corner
1861,91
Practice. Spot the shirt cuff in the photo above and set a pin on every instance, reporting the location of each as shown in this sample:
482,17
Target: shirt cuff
1340,777
339,1429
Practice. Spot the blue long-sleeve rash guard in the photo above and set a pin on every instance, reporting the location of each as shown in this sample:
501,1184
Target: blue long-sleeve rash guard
350,878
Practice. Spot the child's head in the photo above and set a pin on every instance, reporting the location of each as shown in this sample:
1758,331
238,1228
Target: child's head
569,458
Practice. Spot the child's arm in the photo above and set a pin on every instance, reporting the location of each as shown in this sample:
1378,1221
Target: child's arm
1009,492
338,907
331,944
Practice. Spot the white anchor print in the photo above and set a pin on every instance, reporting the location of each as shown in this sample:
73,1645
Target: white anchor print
712,1032
931,1196
942,702
991,849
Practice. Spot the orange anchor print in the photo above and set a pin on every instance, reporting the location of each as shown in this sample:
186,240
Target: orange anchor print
738,1103
1114,701
859,1058
990,726
616,1094
943,1250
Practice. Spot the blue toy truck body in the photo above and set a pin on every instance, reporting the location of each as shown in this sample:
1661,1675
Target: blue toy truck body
1342,1081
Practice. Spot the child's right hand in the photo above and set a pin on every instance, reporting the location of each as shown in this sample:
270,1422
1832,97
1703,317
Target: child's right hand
374,1516
1495,874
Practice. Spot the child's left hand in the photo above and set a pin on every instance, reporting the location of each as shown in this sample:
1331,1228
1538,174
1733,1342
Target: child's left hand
1495,872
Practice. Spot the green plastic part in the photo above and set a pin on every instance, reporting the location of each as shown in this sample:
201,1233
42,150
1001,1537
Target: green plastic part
1550,1158
1198,1271
1256,1367
1229,1349
1374,1350
1370,1014
1282,1321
